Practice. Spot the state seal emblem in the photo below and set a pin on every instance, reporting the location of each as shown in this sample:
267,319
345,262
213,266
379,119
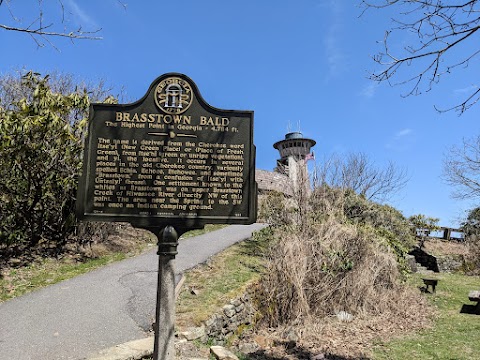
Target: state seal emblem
173,95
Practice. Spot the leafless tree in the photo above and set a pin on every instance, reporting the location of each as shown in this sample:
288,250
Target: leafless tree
12,88
42,28
446,40
358,173
461,169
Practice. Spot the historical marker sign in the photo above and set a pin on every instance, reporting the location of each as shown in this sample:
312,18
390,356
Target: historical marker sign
168,159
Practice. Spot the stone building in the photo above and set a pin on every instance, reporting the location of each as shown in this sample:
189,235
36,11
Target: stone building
290,174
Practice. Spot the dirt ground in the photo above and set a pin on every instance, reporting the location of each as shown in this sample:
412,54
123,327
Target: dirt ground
335,338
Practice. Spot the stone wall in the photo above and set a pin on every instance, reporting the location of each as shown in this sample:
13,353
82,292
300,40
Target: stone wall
270,180
450,263
438,263
222,325
237,313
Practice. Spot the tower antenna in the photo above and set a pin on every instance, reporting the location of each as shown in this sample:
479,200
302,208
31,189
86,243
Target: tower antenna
289,126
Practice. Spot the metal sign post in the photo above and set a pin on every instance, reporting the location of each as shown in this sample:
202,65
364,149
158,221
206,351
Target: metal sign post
165,310
168,163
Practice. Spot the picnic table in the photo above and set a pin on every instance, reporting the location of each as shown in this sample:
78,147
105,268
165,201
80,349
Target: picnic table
474,295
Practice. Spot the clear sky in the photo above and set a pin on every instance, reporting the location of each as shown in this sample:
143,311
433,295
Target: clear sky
299,64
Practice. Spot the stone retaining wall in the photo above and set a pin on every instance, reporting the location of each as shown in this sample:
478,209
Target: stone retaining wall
438,263
237,313
450,263
222,325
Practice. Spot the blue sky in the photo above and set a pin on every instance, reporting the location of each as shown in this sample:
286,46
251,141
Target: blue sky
297,64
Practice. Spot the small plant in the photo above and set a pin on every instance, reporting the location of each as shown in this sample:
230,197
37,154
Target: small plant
423,226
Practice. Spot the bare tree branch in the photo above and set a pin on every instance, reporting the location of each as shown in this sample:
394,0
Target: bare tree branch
78,34
461,169
358,173
441,28
40,31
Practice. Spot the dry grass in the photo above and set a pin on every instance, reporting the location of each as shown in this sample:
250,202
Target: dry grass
408,312
345,340
337,267
442,247
321,269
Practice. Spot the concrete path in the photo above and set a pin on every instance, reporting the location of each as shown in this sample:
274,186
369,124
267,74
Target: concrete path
109,306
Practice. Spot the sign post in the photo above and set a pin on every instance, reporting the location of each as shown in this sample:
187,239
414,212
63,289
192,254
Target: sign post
168,163
165,310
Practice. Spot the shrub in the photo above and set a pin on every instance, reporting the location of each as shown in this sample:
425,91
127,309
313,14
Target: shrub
40,154
471,229
338,267
274,209
348,207
347,255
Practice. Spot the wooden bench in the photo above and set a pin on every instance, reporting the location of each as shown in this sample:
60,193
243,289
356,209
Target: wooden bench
430,282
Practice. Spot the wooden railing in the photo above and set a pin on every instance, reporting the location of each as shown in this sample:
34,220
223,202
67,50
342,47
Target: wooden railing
446,234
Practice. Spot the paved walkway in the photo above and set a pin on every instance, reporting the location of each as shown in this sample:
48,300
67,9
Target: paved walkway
109,306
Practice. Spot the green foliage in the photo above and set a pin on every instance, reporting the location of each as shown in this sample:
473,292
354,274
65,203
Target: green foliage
424,224
273,208
346,206
388,222
471,226
471,229
260,242
40,154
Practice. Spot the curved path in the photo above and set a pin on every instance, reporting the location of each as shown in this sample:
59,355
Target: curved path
100,309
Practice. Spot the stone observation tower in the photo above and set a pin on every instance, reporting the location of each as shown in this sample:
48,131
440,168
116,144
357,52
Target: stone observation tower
291,170
294,154
294,151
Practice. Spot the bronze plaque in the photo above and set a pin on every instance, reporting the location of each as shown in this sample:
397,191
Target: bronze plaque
168,159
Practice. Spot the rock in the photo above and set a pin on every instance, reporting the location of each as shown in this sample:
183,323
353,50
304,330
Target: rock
236,302
412,264
15,262
240,307
192,333
187,350
344,316
214,324
248,348
291,334
194,291
221,353
136,349
229,310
